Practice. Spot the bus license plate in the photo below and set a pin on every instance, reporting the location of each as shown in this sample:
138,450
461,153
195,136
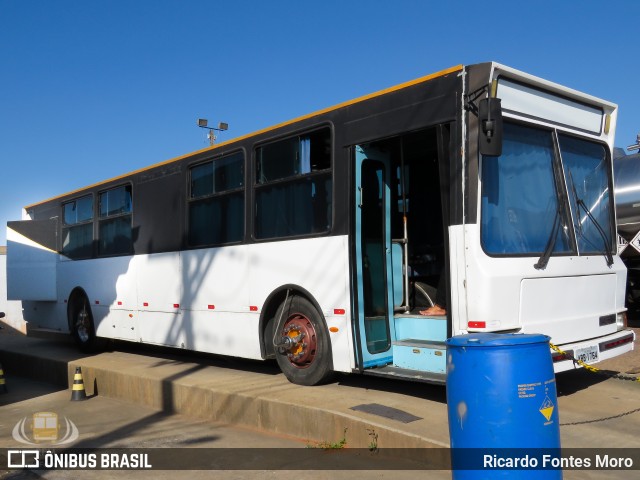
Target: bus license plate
587,354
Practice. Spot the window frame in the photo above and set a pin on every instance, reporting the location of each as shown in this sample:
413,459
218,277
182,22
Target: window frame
66,227
99,219
191,200
560,186
611,229
256,186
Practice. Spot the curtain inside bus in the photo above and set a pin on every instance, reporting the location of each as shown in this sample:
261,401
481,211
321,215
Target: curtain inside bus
585,166
520,202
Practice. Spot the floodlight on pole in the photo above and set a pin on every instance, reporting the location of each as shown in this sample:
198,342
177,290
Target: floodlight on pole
204,123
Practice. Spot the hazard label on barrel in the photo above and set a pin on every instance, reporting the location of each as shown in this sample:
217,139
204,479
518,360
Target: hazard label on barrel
547,408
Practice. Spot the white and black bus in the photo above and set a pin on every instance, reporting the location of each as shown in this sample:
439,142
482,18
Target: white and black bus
320,240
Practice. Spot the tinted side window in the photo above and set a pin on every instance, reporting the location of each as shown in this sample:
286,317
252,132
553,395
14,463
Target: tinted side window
115,207
216,201
77,230
293,186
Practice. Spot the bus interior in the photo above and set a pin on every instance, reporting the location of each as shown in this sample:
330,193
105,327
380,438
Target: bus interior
403,188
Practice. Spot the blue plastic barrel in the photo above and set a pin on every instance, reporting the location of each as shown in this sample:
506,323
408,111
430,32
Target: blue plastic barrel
502,407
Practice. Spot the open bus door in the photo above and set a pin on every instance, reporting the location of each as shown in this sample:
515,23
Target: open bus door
399,244
373,256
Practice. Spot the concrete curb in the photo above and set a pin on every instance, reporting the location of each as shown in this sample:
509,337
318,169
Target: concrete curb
230,396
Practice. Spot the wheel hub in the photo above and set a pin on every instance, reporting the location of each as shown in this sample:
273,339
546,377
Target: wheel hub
82,325
299,339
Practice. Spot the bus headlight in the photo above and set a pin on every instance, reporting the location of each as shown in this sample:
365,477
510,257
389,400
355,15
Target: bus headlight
621,320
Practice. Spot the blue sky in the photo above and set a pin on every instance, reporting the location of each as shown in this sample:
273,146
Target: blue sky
94,89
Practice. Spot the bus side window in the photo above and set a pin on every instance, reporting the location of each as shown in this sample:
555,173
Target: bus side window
293,186
114,223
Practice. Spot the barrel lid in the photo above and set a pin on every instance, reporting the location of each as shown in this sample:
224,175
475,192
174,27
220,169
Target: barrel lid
496,339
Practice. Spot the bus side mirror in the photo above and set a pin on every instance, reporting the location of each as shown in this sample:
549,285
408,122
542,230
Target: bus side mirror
490,120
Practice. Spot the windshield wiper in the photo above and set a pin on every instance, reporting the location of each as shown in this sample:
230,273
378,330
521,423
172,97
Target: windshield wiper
606,251
542,262
561,207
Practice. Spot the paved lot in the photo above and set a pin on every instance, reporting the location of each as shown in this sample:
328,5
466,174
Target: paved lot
105,423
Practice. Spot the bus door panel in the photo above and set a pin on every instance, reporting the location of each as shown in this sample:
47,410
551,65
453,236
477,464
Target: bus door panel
373,256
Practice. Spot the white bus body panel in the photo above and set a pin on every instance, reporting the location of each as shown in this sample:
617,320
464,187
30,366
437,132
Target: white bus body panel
31,269
210,300
544,105
105,281
545,301
509,294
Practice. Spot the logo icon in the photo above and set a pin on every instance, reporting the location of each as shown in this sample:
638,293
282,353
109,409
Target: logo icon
45,427
23,459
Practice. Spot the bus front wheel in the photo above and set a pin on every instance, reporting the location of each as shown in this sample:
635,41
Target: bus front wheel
303,351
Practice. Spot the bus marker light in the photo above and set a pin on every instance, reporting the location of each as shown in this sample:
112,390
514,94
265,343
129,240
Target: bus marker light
477,324
559,357
253,308
145,304
339,311
616,343
131,315
176,305
97,302
333,329
211,307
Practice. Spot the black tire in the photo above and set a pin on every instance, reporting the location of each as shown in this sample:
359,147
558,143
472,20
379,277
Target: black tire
308,360
82,326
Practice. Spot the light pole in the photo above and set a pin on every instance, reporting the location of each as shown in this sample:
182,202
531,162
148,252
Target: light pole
203,123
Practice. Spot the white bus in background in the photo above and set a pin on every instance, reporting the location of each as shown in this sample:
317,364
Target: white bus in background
320,240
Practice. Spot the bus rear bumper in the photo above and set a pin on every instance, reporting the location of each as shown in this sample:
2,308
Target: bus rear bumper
592,351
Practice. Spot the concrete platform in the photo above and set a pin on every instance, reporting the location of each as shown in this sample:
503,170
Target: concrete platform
595,411
240,392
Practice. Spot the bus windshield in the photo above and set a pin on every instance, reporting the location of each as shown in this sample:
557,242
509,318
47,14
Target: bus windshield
525,209
586,170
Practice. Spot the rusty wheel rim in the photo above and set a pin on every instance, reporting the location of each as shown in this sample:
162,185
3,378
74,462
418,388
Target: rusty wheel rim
299,329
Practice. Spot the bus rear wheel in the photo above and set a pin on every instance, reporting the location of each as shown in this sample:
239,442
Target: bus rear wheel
303,352
81,323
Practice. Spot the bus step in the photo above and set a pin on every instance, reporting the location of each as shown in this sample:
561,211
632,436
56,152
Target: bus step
407,374
421,327
420,355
